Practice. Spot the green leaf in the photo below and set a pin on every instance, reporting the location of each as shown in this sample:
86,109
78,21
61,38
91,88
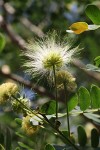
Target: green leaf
93,117
84,98
97,61
82,137
95,96
17,148
1,137
19,134
94,138
2,42
92,68
1,147
18,121
93,27
24,146
8,139
72,103
49,147
49,108
93,13
66,134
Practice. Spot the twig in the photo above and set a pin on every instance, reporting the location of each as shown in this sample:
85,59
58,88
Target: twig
33,28
38,89
21,43
77,63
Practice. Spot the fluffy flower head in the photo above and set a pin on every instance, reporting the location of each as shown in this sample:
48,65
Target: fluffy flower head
65,77
27,126
17,107
45,53
6,91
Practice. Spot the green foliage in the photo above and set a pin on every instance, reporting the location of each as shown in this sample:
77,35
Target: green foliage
8,140
48,108
49,147
17,148
72,103
2,42
1,147
93,117
84,98
18,121
93,13
82,137
94,138
47,15
92,68
24,146
97,61
1,138
95,96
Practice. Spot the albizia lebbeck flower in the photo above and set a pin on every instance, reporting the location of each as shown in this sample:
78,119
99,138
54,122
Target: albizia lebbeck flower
44,54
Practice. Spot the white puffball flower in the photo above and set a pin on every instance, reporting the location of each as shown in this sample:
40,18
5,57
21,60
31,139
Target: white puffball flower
44,54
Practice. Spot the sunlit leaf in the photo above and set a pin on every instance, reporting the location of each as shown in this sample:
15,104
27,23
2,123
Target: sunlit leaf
82,137
84,98
49,147
79,27
93,12
72,102
97,61
49,108
93,27
92,68
90,27
93,117
1,147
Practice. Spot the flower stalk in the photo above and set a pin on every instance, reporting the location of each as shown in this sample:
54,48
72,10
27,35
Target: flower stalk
55,85
60,133
45,119
67,111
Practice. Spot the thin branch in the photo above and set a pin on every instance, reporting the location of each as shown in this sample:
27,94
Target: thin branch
38,89
18,40
33,28
77,63
21,43
9,9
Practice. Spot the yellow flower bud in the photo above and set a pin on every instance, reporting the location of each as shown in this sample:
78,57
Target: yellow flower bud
17,107
65,77
53,59
27,126
6,90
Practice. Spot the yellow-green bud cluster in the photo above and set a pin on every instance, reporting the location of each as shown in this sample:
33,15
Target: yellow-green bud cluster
65,77
53,59
17,107
27,126
6,91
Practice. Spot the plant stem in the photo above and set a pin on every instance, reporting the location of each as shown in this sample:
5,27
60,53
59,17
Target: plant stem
48,122
55,85
57,130
65,89
34,113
